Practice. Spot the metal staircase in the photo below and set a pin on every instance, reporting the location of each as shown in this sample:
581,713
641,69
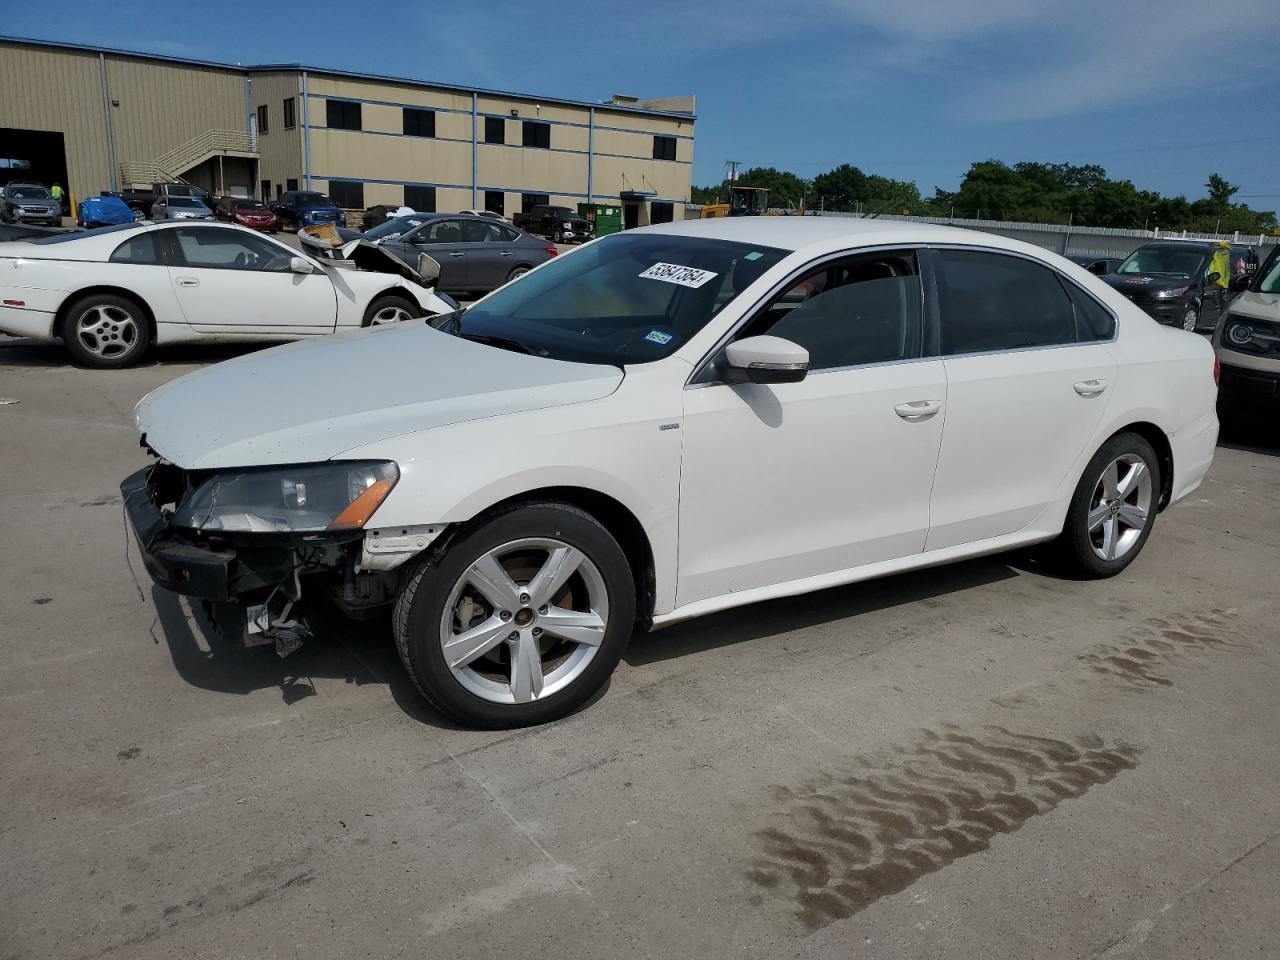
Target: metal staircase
171,166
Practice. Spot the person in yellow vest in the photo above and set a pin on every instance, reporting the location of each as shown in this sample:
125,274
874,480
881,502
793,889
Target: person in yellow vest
56,192
1220,264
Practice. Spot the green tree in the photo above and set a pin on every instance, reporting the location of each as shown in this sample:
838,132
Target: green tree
843,188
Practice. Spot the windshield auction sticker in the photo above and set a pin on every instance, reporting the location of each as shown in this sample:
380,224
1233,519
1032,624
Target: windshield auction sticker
674,273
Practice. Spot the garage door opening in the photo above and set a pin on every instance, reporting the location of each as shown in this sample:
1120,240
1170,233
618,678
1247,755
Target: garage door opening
38,155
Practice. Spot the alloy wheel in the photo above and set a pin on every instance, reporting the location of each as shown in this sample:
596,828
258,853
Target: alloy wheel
524,620
1120,507
390,314
1190,319
107,331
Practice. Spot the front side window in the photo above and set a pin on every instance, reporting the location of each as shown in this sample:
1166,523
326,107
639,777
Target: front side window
629,298
865,309
141,249
440,231
537,133
342,115
994,301
215,248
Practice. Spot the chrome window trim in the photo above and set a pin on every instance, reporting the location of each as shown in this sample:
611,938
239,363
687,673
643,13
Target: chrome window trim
700,367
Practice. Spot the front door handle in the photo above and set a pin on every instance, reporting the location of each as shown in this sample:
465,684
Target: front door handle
188,282
457,254
506,253
1090,388
917,410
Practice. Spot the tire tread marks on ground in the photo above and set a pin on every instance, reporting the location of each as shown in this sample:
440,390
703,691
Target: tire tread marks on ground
839,842
1145,654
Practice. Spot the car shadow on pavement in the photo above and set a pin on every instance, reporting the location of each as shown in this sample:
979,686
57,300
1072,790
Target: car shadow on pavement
787,614
357,653
18,352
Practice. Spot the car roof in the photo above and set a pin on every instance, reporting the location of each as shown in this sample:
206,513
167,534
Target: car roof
100,243
800,233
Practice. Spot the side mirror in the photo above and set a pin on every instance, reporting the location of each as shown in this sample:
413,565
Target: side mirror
1212,277
765,360
428,268
301,265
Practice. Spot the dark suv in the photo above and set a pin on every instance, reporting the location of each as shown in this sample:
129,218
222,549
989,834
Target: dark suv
558,224
305,208
1176,283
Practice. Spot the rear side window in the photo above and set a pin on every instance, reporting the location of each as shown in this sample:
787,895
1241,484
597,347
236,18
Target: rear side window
140,249
993,301
850,312
1093,320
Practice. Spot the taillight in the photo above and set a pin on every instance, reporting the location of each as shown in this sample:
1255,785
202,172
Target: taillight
1217,370
551,249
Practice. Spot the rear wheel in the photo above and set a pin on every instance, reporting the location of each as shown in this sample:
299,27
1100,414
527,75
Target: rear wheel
390,309
106,330
520,619
517,272
1112,510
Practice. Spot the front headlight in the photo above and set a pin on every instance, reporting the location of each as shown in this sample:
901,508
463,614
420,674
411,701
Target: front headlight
567,225
1170,294
309,498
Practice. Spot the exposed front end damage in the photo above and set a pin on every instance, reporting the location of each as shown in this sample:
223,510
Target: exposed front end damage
325,241
262,587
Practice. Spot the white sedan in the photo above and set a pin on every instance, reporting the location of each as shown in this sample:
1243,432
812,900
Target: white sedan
110,294
669,422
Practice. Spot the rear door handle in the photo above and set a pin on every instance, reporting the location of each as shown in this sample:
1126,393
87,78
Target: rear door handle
1090,388
457,254
188,282
506,253
917,410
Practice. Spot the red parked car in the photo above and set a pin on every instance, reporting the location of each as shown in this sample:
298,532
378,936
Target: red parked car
247,213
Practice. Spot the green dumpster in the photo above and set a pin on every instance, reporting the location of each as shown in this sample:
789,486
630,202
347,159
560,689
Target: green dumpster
605,218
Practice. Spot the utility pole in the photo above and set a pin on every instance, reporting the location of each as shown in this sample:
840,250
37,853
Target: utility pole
733,170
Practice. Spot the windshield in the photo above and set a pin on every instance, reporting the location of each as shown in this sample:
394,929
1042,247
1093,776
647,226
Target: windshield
628,298
561,212
250,205
181,190
1271,282
314,200
1163,261
394,227
29,193
184,202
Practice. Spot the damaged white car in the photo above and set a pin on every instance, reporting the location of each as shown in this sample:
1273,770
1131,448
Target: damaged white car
665,423
111,294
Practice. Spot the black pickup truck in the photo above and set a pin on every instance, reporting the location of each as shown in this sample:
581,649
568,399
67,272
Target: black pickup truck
558,224
141,201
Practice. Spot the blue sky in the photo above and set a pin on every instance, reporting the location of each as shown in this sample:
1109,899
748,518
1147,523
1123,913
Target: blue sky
1161,93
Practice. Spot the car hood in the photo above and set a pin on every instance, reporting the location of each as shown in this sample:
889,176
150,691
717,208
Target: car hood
1140,283
1261,306
312,400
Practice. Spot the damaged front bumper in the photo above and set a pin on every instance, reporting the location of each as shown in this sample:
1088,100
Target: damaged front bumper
252,585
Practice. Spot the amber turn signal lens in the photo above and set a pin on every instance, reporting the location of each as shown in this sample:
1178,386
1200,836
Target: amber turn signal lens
362,507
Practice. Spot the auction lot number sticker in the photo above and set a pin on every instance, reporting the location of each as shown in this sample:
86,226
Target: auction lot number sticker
674,273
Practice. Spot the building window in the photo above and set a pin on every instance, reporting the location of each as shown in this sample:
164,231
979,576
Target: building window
266,191
419,123
342,115
660,212
290,116
537,133
279,191
495,130
291,184
495,201
348,195
664,148
530,200
262,119
420,199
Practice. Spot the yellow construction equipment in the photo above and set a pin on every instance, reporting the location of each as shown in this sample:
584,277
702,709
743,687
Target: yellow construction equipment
743,202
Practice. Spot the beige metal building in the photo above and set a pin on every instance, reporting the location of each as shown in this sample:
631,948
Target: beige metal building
95,119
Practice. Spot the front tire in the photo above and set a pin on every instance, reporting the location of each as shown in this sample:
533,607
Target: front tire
106,331
390,309
520,619
1112,510
1191,317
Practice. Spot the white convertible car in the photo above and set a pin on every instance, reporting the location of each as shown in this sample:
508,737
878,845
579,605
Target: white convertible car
110,294
668,422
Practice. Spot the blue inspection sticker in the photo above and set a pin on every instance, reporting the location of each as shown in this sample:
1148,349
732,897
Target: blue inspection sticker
658,337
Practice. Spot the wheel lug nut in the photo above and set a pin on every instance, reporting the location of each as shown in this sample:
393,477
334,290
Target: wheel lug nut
514,637
544,609
524,598
537,631
505,615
